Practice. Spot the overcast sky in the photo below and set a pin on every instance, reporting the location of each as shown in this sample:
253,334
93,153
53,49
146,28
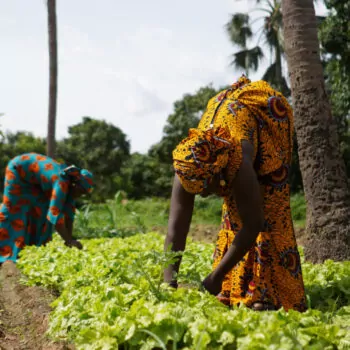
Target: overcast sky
122,61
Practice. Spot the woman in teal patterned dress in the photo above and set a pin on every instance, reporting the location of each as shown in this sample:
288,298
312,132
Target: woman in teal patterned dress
39,197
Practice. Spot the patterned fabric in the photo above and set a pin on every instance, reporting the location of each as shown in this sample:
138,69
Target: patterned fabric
81,176
207,151
202,155
271,271
36,198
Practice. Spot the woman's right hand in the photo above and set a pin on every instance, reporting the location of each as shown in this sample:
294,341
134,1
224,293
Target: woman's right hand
74,243
213,283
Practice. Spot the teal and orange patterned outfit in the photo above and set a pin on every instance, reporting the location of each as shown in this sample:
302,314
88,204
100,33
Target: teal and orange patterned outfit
36,198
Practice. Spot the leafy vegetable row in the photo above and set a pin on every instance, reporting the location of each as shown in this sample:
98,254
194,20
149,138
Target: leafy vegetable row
111,296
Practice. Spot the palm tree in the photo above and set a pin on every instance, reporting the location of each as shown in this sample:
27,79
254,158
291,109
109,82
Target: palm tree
240,32
52,31
325,183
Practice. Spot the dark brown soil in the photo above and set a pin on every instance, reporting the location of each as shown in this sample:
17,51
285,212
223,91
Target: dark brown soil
24,314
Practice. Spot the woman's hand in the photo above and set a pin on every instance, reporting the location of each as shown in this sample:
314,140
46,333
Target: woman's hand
65,231
213,283
73,243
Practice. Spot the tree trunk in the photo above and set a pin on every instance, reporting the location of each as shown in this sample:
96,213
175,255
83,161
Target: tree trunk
325,182
52,29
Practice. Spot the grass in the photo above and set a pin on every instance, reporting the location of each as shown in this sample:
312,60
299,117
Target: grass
298,206
122,217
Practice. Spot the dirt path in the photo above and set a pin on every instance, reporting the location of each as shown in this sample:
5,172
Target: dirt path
23,314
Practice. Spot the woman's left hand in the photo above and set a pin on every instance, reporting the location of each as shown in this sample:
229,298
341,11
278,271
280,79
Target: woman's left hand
212,283
74,243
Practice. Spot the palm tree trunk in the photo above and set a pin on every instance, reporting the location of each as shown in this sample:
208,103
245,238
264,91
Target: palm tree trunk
52,29
325,182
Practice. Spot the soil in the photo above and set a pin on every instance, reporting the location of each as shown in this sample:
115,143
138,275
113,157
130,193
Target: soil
24,314
208,233
202,233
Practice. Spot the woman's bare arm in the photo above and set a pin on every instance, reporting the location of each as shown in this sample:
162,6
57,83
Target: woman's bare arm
250,207
181,209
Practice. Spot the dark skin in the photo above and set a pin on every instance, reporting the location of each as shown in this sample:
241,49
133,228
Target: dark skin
66,231
247,193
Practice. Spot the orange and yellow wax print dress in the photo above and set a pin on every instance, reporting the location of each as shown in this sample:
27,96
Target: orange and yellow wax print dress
271,271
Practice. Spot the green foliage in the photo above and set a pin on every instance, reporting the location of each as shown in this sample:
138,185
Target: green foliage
13,144
105,220
335,47
111,296
100,147
239,29
145,176
187,113
207,211
298,206
121,217
151,175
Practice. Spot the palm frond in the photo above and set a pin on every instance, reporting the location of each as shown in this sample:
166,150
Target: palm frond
247,59
239,30
270,74
276,79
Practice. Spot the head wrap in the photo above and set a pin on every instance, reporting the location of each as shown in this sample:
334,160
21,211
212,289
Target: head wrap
242,81
200,156
81,176
205,153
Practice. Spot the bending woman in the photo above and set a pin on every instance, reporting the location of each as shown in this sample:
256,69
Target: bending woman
242,151
39,196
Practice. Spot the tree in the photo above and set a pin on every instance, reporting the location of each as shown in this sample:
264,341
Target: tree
322,167
144,176
335,48
240,33
17,143
187,113
52,34
99,147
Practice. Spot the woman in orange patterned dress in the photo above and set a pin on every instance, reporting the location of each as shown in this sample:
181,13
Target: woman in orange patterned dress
39,197
242,151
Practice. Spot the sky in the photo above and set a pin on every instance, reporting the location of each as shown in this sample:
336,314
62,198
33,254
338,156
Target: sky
125,62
